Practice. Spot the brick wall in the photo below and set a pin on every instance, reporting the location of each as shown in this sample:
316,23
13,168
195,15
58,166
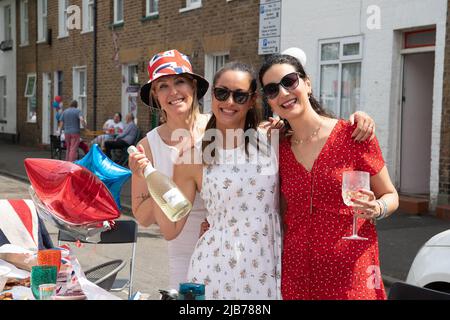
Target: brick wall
217,26
62,55
444,163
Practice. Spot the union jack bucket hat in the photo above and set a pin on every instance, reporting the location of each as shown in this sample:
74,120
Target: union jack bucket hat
169,63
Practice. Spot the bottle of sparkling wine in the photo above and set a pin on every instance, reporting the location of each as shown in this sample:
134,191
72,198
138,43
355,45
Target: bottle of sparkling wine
165,193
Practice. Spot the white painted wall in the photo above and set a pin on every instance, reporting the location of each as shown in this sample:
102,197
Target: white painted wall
304,23
8,69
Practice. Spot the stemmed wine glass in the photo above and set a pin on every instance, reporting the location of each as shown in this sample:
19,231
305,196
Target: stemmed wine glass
352,182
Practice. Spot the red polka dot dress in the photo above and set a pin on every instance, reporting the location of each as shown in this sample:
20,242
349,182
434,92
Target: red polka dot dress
317,263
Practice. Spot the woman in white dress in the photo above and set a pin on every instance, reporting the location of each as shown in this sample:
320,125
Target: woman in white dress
239,256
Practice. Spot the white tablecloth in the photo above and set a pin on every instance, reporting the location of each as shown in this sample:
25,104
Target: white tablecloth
91,290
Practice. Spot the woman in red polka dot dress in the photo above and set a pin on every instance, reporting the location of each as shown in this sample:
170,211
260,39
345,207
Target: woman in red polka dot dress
317,262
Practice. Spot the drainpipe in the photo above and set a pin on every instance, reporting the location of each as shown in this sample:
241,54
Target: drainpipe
95,65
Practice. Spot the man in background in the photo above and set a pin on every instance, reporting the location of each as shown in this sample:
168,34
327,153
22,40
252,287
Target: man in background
71,121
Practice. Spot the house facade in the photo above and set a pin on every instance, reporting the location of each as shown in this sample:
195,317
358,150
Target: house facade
387,59
103,67
8,49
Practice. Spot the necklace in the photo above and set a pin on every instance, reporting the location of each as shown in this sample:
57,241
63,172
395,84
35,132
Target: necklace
302,141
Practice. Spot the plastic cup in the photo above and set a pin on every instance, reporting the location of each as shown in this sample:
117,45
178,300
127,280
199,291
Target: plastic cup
47,291
42,275
51,257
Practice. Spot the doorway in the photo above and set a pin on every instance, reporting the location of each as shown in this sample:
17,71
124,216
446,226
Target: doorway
416,120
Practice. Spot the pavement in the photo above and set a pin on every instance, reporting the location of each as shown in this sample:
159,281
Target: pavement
400,236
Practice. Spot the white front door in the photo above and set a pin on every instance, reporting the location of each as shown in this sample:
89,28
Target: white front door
417,110
46,107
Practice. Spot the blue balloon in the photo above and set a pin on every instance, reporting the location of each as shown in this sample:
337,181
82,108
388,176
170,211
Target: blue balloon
110,173
55,104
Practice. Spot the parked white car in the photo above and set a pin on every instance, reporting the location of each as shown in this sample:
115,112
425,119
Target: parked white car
431,266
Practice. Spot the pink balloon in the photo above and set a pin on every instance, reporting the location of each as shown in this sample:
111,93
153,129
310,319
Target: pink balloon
58,99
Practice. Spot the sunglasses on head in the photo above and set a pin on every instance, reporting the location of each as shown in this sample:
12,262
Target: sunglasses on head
240,97
289,82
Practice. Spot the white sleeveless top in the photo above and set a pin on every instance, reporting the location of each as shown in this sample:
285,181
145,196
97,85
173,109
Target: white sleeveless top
181,248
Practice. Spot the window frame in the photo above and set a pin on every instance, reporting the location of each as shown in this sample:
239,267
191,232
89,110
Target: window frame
24,23
342,60
31,95
3,98
191,5
149,13
88,24
76,76
406,34
62,19
42,17
116,11
8,34
29,76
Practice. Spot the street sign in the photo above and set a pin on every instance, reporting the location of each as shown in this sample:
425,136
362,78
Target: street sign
269,26
270,20
269,45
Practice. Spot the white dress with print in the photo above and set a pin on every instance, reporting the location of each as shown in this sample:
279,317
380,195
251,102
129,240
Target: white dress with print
239,257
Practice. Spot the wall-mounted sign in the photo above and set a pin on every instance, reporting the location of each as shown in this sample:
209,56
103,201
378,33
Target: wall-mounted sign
269,26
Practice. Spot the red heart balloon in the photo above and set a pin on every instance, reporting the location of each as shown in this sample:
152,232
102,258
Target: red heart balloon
72,192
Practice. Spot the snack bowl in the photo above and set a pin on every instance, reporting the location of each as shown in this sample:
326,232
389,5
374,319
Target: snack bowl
3,276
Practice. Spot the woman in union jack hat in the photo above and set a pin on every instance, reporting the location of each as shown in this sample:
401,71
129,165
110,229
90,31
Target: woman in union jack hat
174,89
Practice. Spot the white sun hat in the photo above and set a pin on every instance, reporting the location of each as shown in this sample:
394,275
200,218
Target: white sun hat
297,53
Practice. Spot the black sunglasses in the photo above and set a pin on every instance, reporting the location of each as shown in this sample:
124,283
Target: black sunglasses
289,82
240,97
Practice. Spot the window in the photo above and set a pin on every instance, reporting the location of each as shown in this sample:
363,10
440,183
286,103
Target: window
130,89
192,4
8,26
420,38
152,8
213,62
3,104
88,15
30,88
42,20
133,78
340,75
30,94
60,79
24,22
80,89
118,11
62,30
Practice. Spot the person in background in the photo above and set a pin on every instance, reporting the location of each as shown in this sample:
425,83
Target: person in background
70,122
112,128
125,139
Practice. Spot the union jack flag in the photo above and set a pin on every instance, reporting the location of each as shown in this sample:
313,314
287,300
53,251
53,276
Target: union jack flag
168,63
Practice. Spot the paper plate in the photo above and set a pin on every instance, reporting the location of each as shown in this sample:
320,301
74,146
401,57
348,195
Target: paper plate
79,297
